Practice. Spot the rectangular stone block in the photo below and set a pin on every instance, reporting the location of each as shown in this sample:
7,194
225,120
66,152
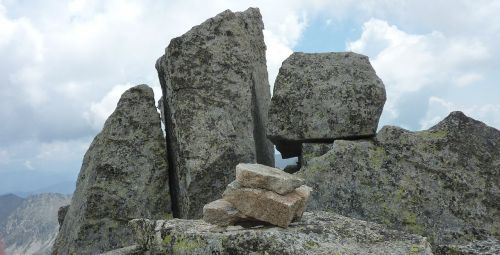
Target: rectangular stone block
268,178
267,205
222,213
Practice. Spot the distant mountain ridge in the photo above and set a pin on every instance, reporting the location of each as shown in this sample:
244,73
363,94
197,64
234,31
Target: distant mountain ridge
8,203
32,226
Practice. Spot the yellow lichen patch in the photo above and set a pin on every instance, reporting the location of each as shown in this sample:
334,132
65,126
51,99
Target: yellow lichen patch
414,249
186,246
377,157
439,134
311,245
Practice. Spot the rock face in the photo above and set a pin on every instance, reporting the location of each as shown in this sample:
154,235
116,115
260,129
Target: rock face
442,183
216,98
268,178
124,175
32,227
61,213
313,150
268,206
316,233
321,97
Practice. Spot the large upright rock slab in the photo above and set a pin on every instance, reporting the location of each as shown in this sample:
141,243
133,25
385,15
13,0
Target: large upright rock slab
316,233
442,183
124,175
216,97
320,97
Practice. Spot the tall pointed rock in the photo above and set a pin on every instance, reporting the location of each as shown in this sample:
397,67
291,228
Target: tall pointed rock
124,175
216,98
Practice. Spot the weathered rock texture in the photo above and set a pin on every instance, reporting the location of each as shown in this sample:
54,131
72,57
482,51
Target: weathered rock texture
217,95
268,206
61,214
222,213
322,97
313,150
317,233
443,183
268,178
123,176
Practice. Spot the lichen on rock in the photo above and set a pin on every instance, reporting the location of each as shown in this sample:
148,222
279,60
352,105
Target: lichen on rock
124,175
442,183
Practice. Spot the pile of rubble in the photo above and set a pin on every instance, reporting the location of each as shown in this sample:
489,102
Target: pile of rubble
259,193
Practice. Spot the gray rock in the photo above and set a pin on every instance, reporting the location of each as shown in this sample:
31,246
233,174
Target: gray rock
443,183
479,247
124,175
317,233
217,95
61,213
320,97
268,206
291,169
313,150
222,213
129,250
268,178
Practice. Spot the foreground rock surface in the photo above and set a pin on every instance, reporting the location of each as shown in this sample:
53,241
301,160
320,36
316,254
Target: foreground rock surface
317,233
324,96
443,183
268,178
267,205
123,176
216,98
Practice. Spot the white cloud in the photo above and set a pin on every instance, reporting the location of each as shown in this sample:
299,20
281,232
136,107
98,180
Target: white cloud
468,79
408,62
29,165
4,156
67,149
99,111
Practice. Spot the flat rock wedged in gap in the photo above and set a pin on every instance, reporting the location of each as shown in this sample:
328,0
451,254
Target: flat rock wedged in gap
124,175
442,183
216,98
320,97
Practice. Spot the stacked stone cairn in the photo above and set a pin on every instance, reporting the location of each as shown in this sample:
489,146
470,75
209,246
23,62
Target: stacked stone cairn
259,193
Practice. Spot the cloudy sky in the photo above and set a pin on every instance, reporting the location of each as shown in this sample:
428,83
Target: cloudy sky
64,64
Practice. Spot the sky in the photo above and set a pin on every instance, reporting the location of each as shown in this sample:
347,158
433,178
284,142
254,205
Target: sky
64,64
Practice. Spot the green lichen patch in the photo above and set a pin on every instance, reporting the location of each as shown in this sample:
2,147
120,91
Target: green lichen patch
311,245
432,135
186,246
377,157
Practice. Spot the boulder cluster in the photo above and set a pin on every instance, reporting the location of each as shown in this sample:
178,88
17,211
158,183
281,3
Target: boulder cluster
259,193
434,191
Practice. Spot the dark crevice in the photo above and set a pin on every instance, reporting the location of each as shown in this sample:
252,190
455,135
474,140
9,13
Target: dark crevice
172,166
293,148
259,130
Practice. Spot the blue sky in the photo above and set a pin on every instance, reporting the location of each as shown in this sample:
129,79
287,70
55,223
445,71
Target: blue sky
65,64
